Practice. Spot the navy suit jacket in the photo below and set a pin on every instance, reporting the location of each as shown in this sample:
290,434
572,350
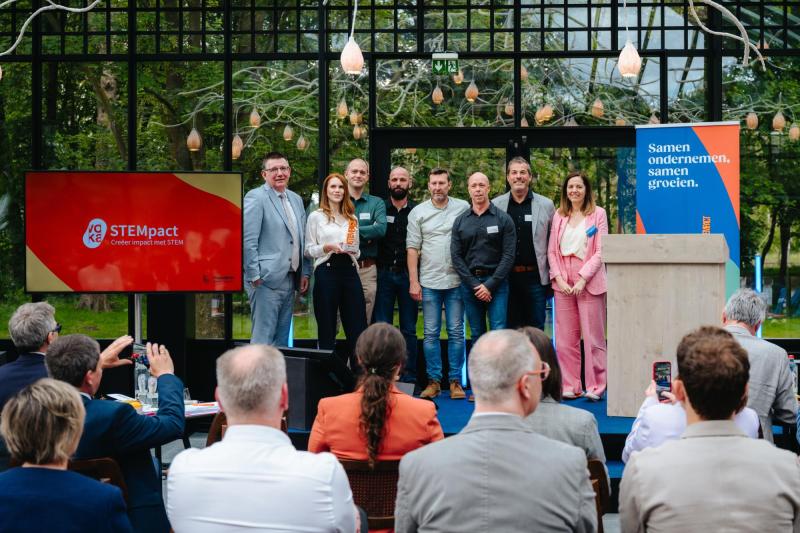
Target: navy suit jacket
115,429
15,376
43,499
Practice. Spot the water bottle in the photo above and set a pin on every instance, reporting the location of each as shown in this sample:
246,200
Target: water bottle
152,391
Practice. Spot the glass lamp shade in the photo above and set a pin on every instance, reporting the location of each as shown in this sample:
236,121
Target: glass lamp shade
341,109
302,143
472,92
236,147
194,142
523,73
288,133
437,96
352,59
620,122
509,109
598,109
794,132
778,121
524,122
629,63
654,119
255,118
458,77
751,120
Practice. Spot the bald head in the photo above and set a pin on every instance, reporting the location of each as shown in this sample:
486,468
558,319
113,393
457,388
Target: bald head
357,174
250,380
478,188
497,362
399,183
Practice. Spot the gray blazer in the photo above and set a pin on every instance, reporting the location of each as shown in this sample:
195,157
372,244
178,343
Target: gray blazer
496,475
713,479
770,385
574,426
267,240
542,211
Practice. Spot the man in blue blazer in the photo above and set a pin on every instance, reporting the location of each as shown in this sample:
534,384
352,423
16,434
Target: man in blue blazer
114,429
32,327
274,241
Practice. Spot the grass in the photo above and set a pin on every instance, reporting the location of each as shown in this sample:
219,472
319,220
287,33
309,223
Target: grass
112,324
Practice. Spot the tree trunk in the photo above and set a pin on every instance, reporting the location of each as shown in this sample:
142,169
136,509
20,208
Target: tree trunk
771,236
783,274
94,302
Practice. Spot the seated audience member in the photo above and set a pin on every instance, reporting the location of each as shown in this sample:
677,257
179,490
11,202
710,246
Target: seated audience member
33,329
377,421
554,419
770,391
254,479
497,474
115,429
714,478
657,422
42,425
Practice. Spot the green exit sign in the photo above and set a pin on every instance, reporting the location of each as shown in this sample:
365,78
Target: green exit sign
444,63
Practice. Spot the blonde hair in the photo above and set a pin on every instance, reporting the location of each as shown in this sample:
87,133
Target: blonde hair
346,208
42,423
565,206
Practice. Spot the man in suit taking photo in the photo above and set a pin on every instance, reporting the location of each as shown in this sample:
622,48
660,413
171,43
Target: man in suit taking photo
274,230
714,478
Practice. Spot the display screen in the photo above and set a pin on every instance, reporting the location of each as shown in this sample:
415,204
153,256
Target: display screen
662,374
133,232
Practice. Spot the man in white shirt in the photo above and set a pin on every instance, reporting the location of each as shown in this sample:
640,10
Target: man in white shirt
713,478
254,479
434,282
657,423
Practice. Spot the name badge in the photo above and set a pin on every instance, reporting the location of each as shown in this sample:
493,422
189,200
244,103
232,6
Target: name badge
363,216
390,219
491,229
528,218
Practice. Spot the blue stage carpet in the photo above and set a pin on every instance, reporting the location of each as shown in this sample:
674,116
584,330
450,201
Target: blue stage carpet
454,415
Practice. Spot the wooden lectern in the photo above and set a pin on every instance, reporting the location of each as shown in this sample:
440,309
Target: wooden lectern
660,287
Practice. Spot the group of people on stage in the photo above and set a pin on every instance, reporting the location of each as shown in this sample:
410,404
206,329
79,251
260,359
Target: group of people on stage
494,259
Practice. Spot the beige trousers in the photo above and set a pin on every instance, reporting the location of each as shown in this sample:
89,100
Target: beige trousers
369,283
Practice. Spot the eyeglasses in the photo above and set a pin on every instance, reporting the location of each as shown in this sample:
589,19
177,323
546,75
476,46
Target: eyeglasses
545,371
57,328
276,169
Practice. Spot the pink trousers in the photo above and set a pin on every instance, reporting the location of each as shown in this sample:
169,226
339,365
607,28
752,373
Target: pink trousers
576,315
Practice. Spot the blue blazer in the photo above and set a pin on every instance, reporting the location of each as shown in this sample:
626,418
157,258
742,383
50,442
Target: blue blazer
114,429
17,375
267,241
42,499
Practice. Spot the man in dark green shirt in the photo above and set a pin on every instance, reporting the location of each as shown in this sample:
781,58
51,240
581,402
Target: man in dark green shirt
371,214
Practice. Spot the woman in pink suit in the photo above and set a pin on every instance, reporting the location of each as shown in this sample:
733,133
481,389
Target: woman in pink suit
578,277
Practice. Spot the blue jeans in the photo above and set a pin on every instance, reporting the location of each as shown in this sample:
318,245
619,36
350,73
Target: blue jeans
527,300
271,312
477,311
393,285
432,301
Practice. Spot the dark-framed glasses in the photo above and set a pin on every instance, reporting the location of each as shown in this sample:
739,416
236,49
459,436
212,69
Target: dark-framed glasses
57,328
273,170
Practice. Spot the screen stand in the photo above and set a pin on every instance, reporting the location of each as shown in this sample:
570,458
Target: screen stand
137,318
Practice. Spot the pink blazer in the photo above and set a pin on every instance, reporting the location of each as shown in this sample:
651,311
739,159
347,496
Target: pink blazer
593,270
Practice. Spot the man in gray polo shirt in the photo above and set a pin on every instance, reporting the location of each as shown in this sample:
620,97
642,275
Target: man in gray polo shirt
434,281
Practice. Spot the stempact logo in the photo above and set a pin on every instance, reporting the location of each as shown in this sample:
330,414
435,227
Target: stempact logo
95,233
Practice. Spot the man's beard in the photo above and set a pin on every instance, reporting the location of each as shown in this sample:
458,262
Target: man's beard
398,193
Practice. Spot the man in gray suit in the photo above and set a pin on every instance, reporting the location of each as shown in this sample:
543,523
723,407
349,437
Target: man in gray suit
497,474
274,230
532,213
714,478
770,387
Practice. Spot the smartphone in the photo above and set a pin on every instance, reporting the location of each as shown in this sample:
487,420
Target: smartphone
140,353
662,375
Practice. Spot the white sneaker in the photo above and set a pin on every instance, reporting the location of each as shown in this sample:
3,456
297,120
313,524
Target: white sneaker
569,395
592,396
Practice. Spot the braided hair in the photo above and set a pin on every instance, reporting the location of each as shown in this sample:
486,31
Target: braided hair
380,350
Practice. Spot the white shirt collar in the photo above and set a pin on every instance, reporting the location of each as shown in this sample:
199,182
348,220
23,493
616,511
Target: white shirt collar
254,432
